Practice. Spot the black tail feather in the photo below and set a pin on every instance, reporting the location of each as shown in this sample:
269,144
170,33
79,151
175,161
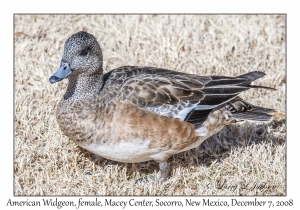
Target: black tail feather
255,115
222,91
263,87
242,110
221,88
251,76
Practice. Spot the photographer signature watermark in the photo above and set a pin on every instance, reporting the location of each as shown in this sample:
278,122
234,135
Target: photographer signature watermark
241,186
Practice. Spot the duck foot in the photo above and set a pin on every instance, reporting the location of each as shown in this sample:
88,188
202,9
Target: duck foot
145,179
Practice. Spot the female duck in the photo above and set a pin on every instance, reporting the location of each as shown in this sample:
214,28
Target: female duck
135,114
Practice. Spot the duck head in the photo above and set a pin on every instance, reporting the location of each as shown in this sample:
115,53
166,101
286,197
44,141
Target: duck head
82,55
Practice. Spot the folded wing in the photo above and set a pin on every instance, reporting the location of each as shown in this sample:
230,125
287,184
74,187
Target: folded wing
179,95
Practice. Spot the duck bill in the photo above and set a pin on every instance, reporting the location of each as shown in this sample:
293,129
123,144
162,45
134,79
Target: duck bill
63,71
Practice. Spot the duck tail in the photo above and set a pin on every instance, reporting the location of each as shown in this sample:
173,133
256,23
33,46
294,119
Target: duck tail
242,110
252,76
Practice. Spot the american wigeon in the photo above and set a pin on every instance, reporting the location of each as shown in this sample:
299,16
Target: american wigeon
135,114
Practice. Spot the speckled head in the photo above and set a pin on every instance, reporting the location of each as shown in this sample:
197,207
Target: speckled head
82,55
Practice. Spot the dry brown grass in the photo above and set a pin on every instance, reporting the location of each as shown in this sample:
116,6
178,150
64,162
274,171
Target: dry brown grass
48,163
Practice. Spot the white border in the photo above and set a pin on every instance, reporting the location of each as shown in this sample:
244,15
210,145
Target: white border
119,6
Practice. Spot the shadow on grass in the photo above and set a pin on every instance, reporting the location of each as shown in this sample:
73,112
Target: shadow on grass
216,148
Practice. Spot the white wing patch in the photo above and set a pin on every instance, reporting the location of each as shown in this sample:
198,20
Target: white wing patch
180,110
202,131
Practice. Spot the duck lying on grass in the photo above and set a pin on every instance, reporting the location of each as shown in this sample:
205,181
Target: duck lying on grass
135,114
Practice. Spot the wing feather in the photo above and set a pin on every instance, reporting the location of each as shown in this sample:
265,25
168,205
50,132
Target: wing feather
176,94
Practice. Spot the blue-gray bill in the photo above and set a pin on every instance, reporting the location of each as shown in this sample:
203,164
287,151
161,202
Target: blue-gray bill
63,71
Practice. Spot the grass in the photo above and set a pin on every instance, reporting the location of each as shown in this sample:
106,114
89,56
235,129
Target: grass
247,158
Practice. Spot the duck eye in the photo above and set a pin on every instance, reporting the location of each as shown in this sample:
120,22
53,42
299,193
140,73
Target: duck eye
84,52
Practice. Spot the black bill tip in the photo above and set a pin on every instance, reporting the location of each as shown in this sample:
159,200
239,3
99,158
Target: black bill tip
54,79
63,72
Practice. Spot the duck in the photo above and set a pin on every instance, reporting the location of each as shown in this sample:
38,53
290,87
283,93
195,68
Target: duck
134,114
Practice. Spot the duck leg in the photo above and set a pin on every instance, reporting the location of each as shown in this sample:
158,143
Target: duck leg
164,169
